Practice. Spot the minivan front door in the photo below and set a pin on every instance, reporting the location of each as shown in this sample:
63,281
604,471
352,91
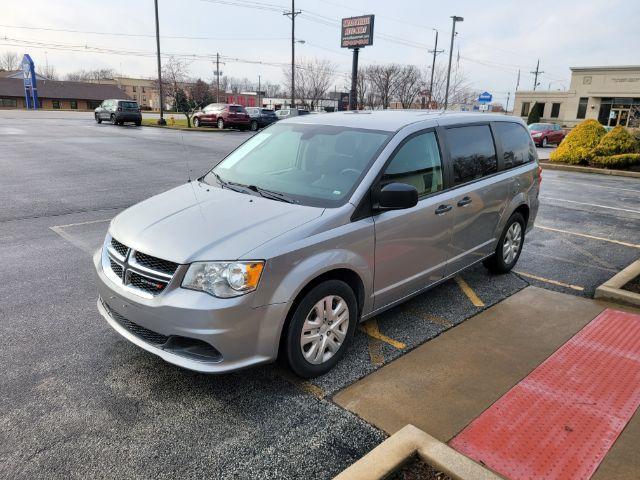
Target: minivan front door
480,195
411,245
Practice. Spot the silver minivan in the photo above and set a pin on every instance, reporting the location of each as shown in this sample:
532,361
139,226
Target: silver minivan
312,225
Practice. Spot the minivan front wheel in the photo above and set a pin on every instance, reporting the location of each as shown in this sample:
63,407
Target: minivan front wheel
321,328
509,246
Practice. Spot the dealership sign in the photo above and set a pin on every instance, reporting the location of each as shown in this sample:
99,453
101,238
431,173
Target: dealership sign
30,83
485,97
357,31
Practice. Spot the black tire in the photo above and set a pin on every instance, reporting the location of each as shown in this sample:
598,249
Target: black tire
220,124
254,126
113,119
98,119
196,122
497,263
138,123
293,349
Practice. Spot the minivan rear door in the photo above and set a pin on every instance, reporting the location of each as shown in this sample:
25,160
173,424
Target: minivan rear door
412,244
480,193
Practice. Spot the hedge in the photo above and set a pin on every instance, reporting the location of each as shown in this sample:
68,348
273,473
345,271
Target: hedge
617,141
622,160
578,145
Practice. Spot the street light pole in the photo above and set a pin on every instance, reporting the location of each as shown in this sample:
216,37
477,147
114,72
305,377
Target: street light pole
453,34
161,120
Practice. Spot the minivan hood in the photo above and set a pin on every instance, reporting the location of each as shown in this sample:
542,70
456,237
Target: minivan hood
201,222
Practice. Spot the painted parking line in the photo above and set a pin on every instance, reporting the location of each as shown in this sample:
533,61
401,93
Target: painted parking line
550,281
59,229
304,385
591,204
374,346
592,185
468,291
592,237
370,327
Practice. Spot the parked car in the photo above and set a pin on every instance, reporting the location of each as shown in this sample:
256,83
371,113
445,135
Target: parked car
261,117
273,252
118,112
290,112
222,115
546,133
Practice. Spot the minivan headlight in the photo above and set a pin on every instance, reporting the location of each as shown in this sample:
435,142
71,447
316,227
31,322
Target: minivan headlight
223,279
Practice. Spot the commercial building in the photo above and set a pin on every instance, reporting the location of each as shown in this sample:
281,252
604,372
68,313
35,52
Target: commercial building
610,95
54,94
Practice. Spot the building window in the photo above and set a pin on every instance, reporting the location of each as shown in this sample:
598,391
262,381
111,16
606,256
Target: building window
134,88
525,109
142,89
582,107
74,104
555,110
56,104
144,99
8,102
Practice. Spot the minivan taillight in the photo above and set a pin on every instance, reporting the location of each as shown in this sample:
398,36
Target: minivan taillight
539,175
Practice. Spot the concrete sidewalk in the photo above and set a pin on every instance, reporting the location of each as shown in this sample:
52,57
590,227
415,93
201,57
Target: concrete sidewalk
441,386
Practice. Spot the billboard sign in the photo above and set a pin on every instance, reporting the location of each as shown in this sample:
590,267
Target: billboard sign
357,32
485,97
30,84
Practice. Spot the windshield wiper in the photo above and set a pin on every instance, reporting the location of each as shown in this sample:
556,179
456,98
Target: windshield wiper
273,195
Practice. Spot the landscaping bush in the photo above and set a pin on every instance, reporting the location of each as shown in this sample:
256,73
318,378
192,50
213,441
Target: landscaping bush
622,160
534,114
617,141
578,145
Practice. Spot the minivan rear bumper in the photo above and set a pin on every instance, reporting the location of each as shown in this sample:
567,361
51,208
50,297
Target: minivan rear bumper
176,323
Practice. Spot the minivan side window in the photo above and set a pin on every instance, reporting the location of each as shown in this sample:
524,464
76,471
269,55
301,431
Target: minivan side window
472,151
516,144
417,163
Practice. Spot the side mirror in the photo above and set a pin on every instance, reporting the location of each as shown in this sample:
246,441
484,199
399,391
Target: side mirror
397,196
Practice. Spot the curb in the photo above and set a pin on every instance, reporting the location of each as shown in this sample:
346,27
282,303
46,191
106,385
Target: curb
612,288
185,129
387,457
601,171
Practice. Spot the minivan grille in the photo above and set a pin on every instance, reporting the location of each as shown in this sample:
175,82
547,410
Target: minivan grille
141,272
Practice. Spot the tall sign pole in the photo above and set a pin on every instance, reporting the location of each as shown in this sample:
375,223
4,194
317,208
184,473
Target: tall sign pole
293,15
453,35
161,120
357,32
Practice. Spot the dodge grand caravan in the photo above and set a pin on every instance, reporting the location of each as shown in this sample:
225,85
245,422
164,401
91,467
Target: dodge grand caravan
311,226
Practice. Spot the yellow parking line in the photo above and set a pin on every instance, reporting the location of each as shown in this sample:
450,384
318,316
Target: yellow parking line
438,320
304,385
370,327
468,291
593,237
375,351
548,280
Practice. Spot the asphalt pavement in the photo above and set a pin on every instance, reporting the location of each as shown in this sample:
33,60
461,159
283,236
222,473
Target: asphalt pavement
78,401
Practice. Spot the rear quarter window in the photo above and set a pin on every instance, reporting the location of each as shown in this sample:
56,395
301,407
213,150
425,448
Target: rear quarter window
516,142
131,105
472,152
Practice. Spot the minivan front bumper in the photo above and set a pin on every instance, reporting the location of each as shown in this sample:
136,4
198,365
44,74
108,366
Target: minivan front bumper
177,323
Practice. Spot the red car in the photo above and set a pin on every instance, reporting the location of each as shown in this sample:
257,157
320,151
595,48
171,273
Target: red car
223,115
546,133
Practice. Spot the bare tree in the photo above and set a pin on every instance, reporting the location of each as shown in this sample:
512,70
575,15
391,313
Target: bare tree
95,76
48,71
313,79
409,84
384,82
272,90
460,91
174,75
9,61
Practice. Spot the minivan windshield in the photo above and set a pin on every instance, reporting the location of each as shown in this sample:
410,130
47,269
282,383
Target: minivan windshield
318,165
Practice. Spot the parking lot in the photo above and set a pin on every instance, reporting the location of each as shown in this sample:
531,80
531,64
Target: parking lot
79,401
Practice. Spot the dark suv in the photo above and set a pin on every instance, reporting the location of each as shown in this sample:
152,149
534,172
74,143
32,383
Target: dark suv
261,117
119,111
223,115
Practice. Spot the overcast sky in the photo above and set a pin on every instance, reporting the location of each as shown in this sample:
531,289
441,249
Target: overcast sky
495,39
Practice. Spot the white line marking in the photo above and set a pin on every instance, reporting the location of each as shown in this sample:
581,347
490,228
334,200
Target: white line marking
81,223
592,205
593,237
548,280
59,229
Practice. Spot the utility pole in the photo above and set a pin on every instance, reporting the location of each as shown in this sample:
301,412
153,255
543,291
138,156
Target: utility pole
161,120
217,77
435,52
259,102
292,14
536,72
506,108
453,35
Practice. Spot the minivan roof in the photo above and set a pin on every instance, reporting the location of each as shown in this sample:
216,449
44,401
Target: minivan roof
393,120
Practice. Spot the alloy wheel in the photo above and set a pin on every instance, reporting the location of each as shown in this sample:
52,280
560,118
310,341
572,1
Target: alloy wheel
325,329
512,242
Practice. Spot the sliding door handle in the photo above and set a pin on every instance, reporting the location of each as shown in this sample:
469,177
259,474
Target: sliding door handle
464,202
442,209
